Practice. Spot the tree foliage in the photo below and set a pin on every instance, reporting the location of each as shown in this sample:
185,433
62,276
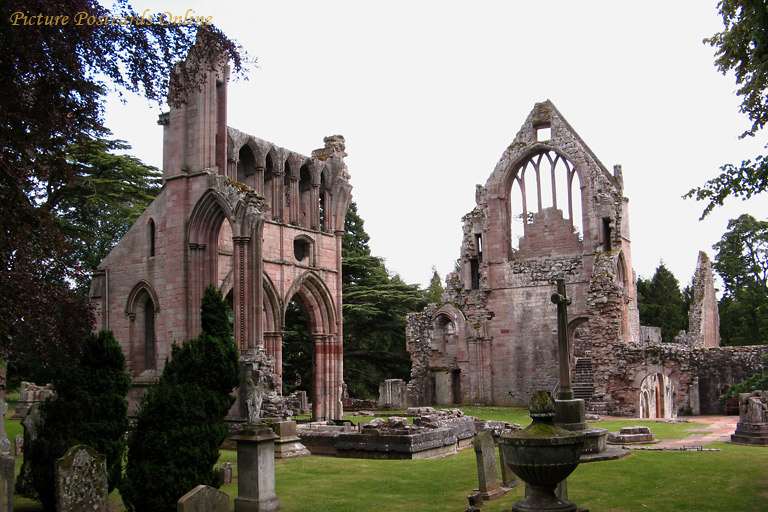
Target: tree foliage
661,303
742,263
434,291
375,306
180,422
742,47
89,408
54,79
112,191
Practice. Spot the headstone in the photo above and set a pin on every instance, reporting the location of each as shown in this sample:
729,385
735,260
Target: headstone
226,473
203,499
7,464
19,445
31,424
81,480
288,444
393,394
256,469
508,477
487,469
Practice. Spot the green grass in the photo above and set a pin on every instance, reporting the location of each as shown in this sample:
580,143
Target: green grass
735,478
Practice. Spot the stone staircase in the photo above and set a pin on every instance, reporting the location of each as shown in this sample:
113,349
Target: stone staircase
582,379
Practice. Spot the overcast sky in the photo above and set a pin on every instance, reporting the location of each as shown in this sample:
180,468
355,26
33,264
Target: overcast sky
428,95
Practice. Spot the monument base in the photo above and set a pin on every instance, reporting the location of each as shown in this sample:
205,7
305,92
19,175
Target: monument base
256,469
570,414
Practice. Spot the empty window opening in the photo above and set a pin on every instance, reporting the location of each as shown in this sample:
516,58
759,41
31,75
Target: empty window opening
479,247
545,180
246,166
301,249
269,174
149,335
151,237
543,133
474,269
606,234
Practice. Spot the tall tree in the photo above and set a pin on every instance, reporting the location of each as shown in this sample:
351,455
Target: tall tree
661,303
741,47
54,78
742,263
180,423
434,291
113,191
89,408
375,306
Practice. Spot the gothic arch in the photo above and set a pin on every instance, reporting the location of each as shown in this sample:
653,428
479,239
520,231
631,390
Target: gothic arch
208,216
316,300
139,288
142,307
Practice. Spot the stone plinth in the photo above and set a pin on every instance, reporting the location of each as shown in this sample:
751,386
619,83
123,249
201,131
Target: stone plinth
632,435
256,469
7,467
403,443
288,443
752,428
570,414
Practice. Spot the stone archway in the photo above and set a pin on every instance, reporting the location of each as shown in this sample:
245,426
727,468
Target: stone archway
657,397
312,296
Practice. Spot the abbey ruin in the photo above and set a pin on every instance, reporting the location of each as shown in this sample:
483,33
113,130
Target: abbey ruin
550,210
262,223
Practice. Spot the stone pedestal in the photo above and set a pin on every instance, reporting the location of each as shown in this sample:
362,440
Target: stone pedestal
288,443
256,469
7,467
752,428
570,414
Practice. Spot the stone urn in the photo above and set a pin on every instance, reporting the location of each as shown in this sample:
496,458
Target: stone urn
542,455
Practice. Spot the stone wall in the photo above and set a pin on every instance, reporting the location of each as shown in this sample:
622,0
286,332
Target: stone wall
493,341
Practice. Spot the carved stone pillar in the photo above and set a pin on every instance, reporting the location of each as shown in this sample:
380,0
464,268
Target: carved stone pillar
241,288
197,275
314,207
295,201
259,185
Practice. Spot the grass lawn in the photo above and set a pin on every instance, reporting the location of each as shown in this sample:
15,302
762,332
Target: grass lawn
735,478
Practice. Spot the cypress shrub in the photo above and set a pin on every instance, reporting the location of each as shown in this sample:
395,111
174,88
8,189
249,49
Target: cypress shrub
89,408
180,422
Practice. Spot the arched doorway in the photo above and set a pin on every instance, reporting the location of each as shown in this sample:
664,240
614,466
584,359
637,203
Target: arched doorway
657,397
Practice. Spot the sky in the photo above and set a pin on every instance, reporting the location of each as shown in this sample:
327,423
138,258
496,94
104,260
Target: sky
428,95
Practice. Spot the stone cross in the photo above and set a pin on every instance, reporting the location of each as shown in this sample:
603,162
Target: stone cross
565,390
81,480
487,469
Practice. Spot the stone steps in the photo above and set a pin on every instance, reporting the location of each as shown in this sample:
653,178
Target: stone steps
582,379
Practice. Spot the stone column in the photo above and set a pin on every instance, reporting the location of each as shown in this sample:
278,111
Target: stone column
256,469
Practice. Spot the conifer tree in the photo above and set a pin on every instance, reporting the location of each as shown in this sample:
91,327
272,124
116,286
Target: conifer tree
89,408
180,422
375,306
661,303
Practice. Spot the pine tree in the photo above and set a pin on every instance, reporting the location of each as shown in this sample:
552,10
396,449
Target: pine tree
89,408
661,303
180,422
375,306
434,291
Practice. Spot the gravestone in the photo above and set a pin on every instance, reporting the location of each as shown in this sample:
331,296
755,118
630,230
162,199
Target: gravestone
7,464
81,480
487,469
226,473
203,499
